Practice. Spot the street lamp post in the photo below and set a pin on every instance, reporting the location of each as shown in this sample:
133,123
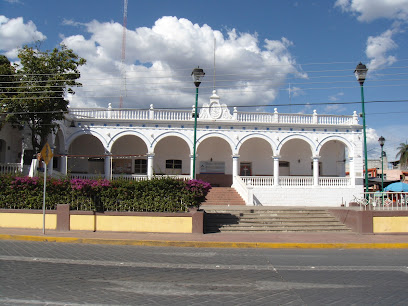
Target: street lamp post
381,140
197,75
360,73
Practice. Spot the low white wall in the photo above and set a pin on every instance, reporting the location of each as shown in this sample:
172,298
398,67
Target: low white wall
305,196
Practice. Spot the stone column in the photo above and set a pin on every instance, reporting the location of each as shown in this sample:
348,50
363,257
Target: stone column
192,165
316,170
235,165
352,172
64,164
276,170
150,163
107,166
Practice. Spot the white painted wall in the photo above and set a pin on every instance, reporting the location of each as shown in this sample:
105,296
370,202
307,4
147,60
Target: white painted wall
306,196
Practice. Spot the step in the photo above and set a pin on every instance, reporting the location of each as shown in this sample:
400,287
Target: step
262,219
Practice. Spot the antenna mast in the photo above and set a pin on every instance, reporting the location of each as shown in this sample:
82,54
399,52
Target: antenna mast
214,65
123,57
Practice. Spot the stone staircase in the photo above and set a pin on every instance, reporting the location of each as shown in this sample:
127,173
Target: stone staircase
225,196
270,219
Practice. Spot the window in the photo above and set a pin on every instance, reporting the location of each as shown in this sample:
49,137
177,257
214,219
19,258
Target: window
284,164
173,164
140,166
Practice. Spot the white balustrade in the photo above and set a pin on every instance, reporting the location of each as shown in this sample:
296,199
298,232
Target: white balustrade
297,181
258,180
295,118
185,115
86,176
334,181
130,177
10,168
335,120
171,115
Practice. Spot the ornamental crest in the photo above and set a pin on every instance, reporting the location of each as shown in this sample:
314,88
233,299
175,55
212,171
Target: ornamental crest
214,110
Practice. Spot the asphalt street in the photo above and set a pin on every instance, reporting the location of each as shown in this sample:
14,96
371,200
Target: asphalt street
46,273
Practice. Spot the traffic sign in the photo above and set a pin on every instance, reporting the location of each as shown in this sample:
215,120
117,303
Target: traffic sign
46,153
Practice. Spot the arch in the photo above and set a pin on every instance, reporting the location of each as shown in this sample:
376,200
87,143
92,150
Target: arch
252,136
296,156
294,137
172,155
86,154
219,135
169,134
86,132
128,133
255,156
345,141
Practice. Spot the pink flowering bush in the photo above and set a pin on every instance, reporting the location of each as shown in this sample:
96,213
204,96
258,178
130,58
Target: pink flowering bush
156,195
199,190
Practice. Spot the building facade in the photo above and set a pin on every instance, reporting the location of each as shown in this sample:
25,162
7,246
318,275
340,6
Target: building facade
269,158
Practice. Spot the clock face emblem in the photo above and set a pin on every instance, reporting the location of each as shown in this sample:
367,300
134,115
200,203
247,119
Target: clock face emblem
215,110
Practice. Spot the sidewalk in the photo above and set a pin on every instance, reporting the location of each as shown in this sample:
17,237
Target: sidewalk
218,240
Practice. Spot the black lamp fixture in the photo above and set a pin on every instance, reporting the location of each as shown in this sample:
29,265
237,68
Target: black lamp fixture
381,141
197,75
361,73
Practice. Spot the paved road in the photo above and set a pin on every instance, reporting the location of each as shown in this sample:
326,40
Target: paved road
45,273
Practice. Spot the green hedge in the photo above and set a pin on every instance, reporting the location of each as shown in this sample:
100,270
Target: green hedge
156,195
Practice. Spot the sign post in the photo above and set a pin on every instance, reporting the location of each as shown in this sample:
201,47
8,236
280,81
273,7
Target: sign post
46,155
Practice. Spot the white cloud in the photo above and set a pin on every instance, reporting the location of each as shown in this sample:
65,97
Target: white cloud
377,49
369,10
14,33
159,61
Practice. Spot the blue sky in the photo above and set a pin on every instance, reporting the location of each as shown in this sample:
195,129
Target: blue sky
262,49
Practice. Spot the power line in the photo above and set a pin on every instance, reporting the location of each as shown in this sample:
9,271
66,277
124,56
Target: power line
237,106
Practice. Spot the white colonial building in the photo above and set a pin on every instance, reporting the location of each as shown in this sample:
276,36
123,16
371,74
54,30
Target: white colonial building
269,158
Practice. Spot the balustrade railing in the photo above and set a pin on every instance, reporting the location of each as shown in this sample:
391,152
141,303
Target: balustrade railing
10,168
258,180
334,181
334,120
128,177
295,118
172,115
185,115
297,181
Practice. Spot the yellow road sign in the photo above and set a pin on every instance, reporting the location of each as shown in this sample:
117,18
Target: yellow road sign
46,153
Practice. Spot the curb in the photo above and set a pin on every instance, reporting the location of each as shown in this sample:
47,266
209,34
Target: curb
208,244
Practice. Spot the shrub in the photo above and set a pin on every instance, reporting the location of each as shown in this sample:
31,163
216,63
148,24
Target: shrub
156,195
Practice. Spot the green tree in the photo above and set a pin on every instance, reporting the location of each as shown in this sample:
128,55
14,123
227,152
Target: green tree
41,82
403,154
6,78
